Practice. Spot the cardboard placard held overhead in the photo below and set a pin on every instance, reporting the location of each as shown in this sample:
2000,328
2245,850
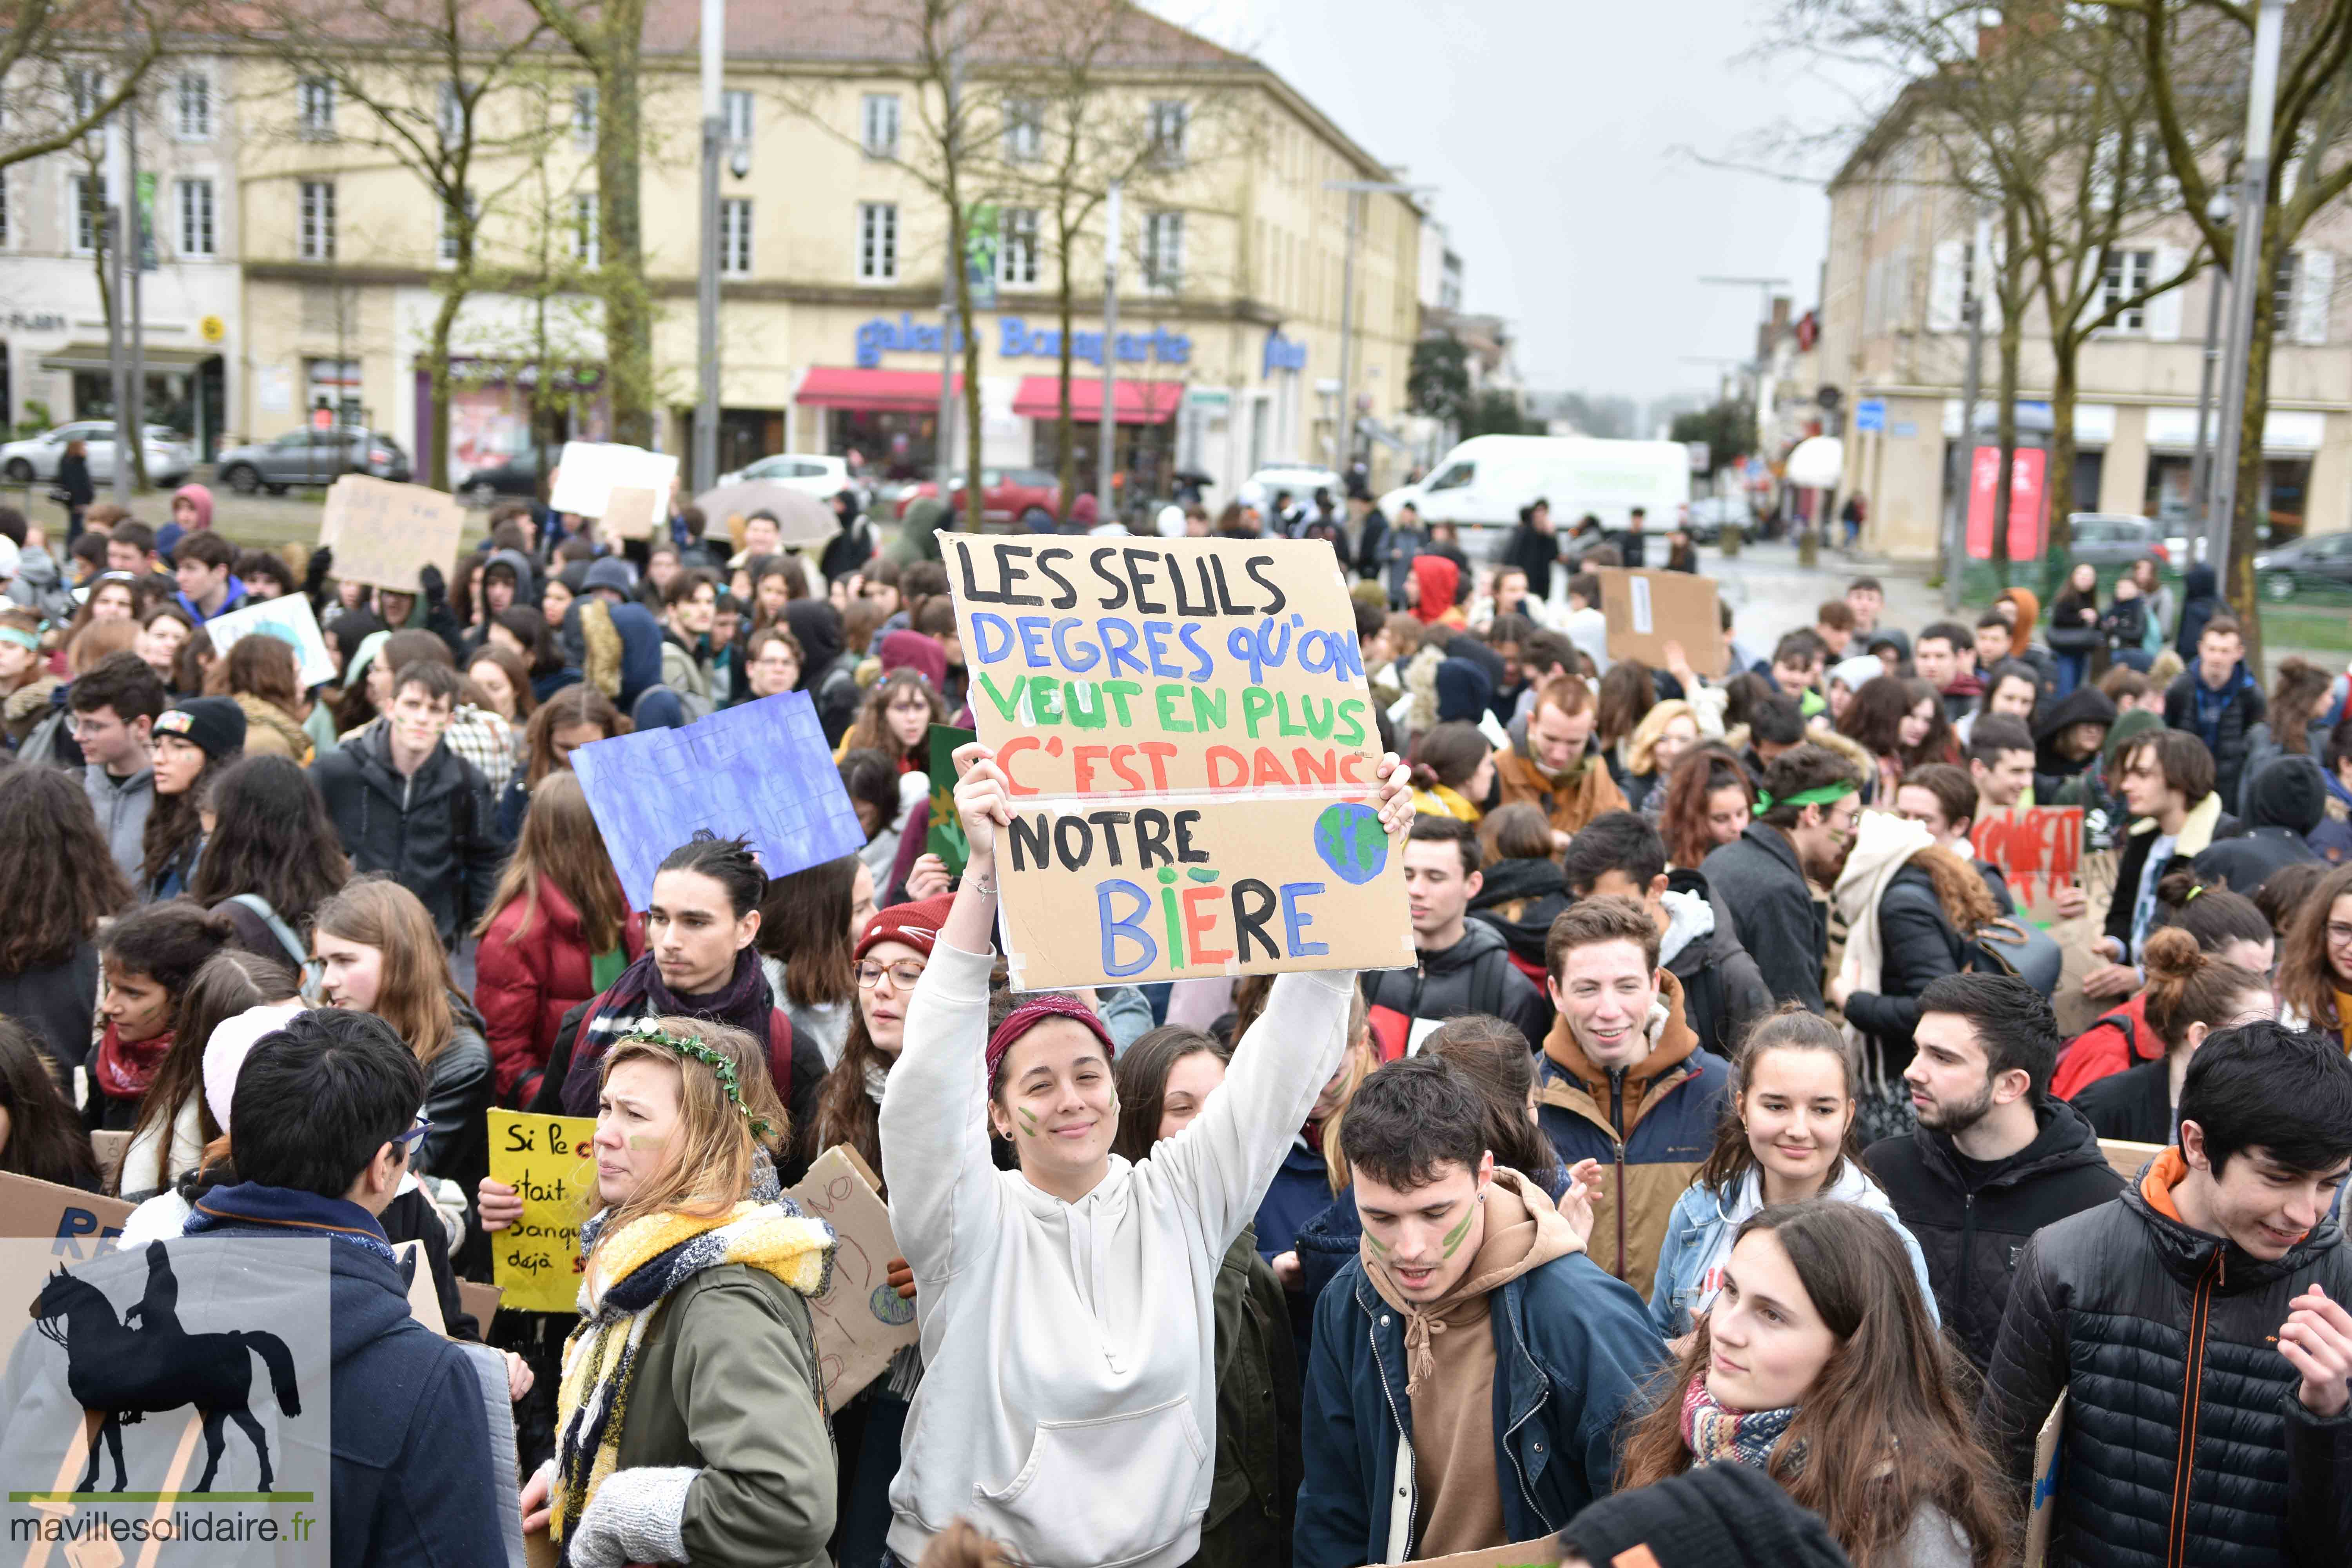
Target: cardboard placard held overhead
385,534
109,1147
2039,849
860,1321
1647,610
590,470
288,619
631,512
536,1260
944,837
1192,752
2048,1459
759,770
80,1225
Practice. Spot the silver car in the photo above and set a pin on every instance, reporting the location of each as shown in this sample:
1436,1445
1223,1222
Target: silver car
311,457
170,457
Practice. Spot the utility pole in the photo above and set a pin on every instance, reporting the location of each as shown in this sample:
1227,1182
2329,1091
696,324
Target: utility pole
2201,467
706,312
1956,505
116,203
2254,172
1107,444
949,273
131,455
1345,436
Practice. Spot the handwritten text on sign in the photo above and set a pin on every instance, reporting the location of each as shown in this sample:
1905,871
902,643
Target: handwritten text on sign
548,1160
2039,849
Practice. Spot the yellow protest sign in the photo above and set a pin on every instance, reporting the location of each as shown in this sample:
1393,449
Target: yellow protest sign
1191,745
547,1158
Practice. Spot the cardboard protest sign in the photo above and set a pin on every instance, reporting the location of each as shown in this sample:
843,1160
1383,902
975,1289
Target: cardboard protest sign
630,513
1647,610
2039,849
1192,749
288,619
385,534
80,1225
481,1300
1543,1554
424,1301
860,1321
2127,1157
110,1148
590,470
759,770
2048,1454
546,1159
945,839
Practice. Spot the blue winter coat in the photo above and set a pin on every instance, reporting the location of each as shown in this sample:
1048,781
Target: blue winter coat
1573,1348
1301,1190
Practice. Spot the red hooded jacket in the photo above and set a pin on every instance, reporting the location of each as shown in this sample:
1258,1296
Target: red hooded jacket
525,984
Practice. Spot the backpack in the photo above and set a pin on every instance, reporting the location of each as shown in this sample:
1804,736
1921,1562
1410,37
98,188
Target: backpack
2007,946
293,945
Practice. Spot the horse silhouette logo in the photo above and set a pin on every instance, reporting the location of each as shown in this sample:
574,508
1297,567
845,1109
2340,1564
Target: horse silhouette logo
123,1372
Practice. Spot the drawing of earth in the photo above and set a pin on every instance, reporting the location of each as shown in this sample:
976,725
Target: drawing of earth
1349,839
890,1308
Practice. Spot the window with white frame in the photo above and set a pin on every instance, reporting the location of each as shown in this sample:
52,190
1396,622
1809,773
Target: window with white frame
1025,130
1016,250
735,236
1168,117
192,107
451,228
735,113
1163,252
877,124
314,102
583,118
88,195
2122,275
315,238
452,116
878,242
587,231
197,237
2283,289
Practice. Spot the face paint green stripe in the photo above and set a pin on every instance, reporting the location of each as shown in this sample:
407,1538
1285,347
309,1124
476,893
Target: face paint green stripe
1028,1122
1454,1239
1375,1244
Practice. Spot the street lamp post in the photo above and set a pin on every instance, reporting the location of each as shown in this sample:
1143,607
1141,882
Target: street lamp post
1344,437
1956,505
2200,465
2254,172
1106,443
714,133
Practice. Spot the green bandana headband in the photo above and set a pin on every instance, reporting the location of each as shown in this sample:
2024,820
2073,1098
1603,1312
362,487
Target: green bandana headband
1820,794
717,1061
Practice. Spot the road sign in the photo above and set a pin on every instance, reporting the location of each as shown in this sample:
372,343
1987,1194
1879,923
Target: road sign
1870,414
1702,458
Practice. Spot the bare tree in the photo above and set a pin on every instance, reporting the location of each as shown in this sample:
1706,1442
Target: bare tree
69,64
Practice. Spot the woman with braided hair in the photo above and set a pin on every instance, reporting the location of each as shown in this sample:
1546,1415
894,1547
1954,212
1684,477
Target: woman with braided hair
691,1420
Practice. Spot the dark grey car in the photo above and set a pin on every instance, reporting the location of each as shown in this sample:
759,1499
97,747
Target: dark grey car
311,457
2111,539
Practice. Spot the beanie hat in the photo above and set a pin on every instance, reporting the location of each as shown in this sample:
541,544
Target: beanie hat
2289,792
1029,1014
1858,671
1717,1516
915,924
913,650
609,572
232,1041
1464,689
214,723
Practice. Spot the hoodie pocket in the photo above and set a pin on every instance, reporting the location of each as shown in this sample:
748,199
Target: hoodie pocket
1095,1494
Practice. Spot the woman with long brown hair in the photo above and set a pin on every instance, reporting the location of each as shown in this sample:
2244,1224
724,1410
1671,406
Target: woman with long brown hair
577,716
895,719
174,1124
2191,993
1627,693
51,851
192,740
1821,1365
379,952
2315,971
1787,1137
808,923
2294,726
272,857
558,930
1901,724
40,1136
151,956
1708,800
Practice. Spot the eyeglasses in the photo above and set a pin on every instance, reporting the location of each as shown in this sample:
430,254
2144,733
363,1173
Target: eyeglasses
408,1140
2338,935
903,974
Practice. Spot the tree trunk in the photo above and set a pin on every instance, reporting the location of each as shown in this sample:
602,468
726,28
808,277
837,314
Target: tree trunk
2013,331
628,306
2058,488
1066,430
437,436
2237,573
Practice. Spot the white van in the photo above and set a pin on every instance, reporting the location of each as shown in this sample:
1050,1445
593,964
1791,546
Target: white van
1485,481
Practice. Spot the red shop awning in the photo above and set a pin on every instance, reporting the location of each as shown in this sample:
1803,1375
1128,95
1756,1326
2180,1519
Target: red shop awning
1135,402
845,387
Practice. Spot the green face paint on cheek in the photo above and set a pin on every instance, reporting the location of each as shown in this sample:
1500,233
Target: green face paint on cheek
1380,1248
1028,1123
1454,1237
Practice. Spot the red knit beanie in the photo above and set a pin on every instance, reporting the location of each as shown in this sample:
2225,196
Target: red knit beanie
916,924
1030,1014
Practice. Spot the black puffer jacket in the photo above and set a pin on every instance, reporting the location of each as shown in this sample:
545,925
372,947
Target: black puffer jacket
1781,927
2162,1337
1474,975
1520,899
435,832
1916,944
1973,1227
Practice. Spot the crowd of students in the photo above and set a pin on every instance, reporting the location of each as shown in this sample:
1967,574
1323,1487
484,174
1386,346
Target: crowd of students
1715,1180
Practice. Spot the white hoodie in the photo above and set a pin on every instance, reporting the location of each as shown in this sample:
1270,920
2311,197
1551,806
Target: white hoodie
1068,1403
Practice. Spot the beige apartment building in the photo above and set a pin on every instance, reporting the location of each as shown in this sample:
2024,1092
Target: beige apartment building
1228,349
1900,265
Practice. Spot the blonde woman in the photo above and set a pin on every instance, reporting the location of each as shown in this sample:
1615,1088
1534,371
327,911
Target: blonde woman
1667,731
690,1420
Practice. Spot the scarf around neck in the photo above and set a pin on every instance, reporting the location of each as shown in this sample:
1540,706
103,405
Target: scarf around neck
124,1069
640,994
630,1273
1715,1435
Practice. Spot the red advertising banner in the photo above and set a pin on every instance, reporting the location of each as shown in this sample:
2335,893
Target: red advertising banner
2029,467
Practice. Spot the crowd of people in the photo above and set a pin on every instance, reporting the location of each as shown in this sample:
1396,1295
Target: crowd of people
1717,1180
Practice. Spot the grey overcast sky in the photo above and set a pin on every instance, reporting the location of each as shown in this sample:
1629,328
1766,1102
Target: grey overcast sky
1549,127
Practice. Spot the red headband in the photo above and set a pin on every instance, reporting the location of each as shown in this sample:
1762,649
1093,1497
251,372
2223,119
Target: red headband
1029,1014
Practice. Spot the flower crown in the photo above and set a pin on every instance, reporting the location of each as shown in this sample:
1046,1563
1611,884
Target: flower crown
719,1062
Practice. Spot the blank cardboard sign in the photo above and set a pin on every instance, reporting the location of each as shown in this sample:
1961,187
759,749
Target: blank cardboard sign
631,512
385,534
1647,610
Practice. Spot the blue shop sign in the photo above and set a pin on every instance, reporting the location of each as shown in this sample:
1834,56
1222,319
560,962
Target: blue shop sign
1282,353
1017,339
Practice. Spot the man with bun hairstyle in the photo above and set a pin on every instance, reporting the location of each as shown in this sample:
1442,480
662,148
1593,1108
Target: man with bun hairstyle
1803,826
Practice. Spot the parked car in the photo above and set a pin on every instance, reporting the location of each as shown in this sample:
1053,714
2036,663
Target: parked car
311,457
514,475
2116,539
1710,515
820,476
1300,480
170,458
1004,493
2320,562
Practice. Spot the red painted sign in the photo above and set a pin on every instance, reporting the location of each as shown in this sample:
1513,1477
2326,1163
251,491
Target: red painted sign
2039,849
2029,467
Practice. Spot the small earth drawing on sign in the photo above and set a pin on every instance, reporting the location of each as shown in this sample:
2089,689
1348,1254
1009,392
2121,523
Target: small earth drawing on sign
1350,839
891,1308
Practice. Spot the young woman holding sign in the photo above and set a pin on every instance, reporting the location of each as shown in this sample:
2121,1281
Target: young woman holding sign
1067,1308
690,1425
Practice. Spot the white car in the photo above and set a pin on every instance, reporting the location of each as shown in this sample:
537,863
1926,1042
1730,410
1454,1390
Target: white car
1300,480
170,459
821,477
